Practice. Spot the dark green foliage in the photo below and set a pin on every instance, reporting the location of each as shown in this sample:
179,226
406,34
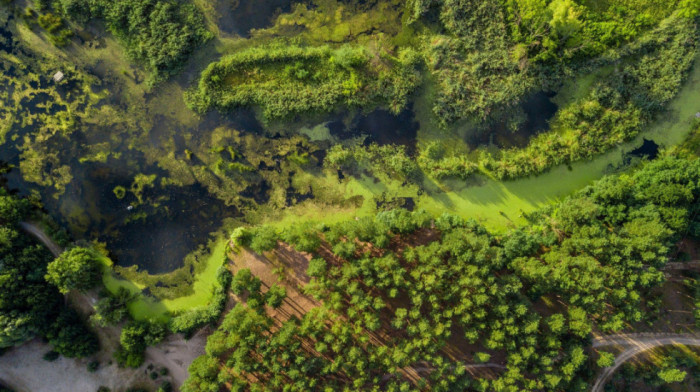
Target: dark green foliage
662,369
616,108
245,282
303,237
29,305
275,295
166,386
597,254
135,337
161,34
51,356
389,159
264,238
69,336
93,366
493,52
111,309
75,269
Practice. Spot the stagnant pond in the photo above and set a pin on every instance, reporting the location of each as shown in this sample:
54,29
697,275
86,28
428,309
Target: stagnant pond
158,228
158,231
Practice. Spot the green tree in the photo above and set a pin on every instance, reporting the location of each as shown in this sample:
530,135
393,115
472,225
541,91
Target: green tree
605,359
75,269
672,375
275,295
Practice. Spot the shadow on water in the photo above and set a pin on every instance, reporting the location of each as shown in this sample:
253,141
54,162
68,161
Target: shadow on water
241,16
380,127
160,242
534,114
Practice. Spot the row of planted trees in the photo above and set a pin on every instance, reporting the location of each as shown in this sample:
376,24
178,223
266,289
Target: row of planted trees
401,290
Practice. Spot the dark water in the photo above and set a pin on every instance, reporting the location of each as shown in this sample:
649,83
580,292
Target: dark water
172,221
6,40
179,225
380,127
535,110
649,149
241,16
157,234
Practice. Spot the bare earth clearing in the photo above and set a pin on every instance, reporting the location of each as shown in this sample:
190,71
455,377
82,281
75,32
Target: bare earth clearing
23,368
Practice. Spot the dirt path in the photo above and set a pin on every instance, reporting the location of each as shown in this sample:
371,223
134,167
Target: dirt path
39,234
682,265
296,304
636,344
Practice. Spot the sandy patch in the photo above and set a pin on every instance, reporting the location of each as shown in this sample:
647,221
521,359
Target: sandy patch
24,369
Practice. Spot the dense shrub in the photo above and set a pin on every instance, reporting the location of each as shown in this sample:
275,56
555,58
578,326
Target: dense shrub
160,34
188,322
135,337
29,305
285,80
75,269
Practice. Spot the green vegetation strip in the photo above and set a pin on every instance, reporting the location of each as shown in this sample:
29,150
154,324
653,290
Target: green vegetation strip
285,80
499,204
148,308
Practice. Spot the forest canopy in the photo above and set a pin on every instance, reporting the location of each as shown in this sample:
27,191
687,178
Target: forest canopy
160,34
29,305
392,300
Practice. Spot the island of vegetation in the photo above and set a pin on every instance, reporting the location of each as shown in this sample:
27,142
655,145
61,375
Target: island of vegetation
349,195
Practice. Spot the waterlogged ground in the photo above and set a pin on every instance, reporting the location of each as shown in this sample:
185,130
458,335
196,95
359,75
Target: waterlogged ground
150,181
500,204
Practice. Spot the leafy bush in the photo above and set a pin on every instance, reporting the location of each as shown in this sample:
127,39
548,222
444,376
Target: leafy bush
51,356
135,337
93,366
285,80
161,34
75,269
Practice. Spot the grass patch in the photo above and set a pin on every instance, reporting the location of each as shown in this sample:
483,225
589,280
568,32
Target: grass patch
150,308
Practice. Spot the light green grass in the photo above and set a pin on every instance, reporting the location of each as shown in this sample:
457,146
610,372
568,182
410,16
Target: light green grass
204,281
147,308
496,204
501,204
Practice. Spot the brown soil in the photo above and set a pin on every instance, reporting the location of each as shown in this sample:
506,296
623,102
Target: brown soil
296,304
286,267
